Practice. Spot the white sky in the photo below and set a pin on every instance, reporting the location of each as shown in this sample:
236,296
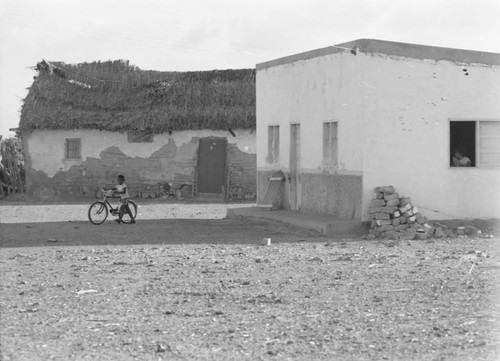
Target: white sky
218,34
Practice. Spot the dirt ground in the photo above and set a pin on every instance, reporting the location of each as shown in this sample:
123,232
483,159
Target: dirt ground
207,290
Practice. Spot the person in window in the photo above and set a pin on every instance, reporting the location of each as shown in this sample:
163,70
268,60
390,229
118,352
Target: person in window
459,158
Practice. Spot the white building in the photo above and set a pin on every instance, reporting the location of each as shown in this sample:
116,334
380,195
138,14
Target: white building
342,120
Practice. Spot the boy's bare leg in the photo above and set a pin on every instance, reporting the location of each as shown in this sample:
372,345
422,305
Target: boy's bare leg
129,211
125,208
120,214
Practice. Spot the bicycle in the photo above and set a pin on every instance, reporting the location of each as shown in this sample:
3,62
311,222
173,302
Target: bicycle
98,211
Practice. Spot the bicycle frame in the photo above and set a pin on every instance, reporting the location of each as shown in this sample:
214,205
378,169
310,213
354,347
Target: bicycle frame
110,206
107,207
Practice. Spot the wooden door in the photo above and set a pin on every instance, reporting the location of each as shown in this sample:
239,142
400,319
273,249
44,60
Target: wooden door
212,165
295,186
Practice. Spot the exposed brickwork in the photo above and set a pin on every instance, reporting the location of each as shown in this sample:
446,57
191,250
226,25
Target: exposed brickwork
242,173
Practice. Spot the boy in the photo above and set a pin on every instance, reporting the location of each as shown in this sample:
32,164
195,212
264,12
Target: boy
121,189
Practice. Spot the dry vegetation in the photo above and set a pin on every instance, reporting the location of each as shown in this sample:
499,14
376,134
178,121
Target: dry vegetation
354,300
116,96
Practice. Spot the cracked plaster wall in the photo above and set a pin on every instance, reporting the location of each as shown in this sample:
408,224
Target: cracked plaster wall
169,158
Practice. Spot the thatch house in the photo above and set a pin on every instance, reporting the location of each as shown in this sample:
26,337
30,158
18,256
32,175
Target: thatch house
84,124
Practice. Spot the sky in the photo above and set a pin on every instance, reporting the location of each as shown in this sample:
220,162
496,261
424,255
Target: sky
170,35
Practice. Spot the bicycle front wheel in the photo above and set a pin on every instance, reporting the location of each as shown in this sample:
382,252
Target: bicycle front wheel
133,209
98,212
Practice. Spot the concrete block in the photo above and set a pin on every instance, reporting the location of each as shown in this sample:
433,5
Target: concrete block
396,214
373,210
405,200
385,189
428,228
382,216
391,196
396,221
403,219
422,220
401,227
415,210
388,210
404,208
415,226
412,219
378,195
408,213
383,222
421,236
392,202
386,228
377,203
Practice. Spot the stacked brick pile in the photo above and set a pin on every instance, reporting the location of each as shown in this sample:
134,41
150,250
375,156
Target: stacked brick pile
395,217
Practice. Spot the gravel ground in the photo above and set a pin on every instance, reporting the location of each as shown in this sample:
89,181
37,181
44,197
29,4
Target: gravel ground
78,212
201,289
354,300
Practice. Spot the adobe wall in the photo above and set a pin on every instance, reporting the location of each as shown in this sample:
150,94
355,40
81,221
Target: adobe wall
169,158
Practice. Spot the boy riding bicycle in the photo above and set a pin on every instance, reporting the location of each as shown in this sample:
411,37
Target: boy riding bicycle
121,189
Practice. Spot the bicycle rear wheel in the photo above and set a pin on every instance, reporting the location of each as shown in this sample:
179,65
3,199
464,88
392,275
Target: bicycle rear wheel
133,208
98,212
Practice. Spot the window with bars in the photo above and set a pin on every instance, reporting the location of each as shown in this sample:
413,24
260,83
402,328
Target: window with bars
73,148
273,143
330,147
475,143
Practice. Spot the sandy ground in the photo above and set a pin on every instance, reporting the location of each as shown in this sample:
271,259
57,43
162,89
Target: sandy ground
204,288
355,300
78,212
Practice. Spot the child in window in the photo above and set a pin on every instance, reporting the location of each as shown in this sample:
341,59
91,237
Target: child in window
121,189
459,158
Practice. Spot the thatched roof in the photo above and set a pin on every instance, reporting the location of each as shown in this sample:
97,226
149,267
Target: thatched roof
115,96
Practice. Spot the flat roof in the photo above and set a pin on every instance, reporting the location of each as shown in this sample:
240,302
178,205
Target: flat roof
393,48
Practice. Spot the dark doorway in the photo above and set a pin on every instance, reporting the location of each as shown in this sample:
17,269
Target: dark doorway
463,136
212,165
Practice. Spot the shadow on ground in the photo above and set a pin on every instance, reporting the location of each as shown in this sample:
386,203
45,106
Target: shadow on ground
178,231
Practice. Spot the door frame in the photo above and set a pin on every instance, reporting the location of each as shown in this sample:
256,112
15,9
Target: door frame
224,183
295,166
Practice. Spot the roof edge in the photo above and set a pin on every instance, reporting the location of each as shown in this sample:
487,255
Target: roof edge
408,50
300,56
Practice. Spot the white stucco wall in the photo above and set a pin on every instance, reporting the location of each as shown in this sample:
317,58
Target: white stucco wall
393,115
310,92
407,106
47,147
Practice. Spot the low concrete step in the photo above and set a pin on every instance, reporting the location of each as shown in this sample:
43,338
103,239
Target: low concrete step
323,224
